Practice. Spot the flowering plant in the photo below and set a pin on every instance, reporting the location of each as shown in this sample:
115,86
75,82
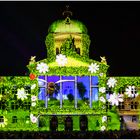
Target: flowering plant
61,60
42,68
93,68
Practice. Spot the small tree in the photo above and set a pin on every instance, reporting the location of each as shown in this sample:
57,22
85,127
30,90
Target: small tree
82,89
70,97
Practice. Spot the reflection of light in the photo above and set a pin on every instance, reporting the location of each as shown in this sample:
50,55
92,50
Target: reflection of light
63,96
64,81
40,83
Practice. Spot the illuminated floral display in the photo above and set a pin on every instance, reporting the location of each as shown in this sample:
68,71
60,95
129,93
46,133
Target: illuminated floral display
104,118
103,128
61,60
102,89
115,99
33,86
32,76
33,104
33,98
102,99
93,68
42,68
111,82
21,94
130,91
83,83
33,118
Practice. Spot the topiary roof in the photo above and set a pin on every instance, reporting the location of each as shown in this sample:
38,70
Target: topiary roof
74,67
60,26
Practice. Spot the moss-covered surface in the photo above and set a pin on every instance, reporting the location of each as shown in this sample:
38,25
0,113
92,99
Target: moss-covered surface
123,82
23,123
61,26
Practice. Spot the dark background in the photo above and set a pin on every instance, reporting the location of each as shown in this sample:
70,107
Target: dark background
114,29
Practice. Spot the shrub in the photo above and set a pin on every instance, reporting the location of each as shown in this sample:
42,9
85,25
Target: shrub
70,97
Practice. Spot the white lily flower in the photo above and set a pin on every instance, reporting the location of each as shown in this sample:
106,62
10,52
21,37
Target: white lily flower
102,99
21,94
33,98
101,74
115,99
61,60
42,68
33,119
93,67
33,104
103,128
104,118
33,86
111,82
102,89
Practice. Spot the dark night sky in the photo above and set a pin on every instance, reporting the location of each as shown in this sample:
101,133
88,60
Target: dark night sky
114,29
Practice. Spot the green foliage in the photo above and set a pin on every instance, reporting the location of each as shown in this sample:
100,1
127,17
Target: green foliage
82,89
42,121
85,45
60,23
22,122
114,124
70,97
70,71
123,82
50,47
68,47
53,26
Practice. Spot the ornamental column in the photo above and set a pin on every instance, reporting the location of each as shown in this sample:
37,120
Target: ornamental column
90,92
46,97
61,95
75,92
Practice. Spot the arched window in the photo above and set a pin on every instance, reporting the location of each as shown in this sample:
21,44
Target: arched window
27,119
57,51
14,92
14,105
78,50
1,119
134,118
2,105
132,105
27,89
14,119
27,105
121,105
